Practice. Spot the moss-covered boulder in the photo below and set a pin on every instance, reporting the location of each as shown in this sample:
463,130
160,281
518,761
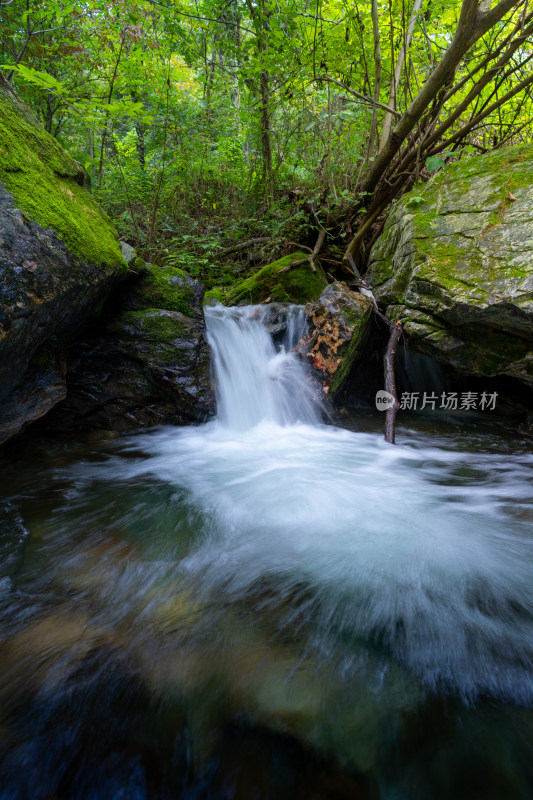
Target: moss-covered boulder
295,285
148,360
455,264
338,329
168,288
59,258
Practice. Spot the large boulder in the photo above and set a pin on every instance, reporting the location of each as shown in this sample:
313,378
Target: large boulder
59,258
455,264
277,282
338,326
147,362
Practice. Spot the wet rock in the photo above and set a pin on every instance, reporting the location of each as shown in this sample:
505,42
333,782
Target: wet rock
59,258
147,364
455,264
42,386
338,329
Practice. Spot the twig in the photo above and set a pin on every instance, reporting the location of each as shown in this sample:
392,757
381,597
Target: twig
314,252
300,246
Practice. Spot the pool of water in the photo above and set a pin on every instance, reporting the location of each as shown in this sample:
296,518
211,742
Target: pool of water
282,611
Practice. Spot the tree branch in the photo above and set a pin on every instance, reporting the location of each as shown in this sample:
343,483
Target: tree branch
471,26
359,95
243,246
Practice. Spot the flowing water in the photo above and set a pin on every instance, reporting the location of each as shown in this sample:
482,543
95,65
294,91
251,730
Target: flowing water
267,605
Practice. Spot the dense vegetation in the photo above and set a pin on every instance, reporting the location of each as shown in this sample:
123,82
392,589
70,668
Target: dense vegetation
204,124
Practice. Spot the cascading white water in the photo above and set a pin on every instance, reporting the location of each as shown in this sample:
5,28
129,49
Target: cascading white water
415,549
256,380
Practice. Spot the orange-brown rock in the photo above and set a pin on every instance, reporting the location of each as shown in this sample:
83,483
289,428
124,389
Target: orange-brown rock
338,328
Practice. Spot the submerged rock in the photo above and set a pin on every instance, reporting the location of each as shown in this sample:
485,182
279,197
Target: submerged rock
338,329
147,364
455,264
59,258
297,285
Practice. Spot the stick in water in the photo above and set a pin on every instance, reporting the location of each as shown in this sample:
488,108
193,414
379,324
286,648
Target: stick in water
390,382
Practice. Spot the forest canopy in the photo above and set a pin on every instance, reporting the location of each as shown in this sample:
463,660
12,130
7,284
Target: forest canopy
211,128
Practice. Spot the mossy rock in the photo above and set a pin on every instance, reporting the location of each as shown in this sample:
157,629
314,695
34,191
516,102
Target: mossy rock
48,186
59,253
155,332
215,295
145,367
455,263
174,353
169,288
297,285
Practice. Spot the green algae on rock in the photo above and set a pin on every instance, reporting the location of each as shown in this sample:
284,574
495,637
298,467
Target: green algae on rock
297,285
455,264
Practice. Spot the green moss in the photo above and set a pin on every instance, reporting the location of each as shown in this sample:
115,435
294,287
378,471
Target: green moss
44,182
154,322
297,285
168,288
216,294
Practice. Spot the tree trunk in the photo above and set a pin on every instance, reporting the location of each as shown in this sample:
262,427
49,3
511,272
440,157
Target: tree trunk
475,20
266,139
377,76
395,82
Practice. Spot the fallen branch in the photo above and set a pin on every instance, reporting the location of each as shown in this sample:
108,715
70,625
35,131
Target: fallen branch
314,252
243,246
300,246
259,240
390,382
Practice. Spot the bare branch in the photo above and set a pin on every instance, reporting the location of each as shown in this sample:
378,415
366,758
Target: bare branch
359,95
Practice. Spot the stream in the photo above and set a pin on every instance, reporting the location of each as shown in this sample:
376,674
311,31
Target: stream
268,605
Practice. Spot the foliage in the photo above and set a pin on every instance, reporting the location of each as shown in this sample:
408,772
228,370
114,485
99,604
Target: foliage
204,124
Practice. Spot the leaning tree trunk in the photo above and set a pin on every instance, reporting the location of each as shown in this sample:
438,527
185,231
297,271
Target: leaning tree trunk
475,20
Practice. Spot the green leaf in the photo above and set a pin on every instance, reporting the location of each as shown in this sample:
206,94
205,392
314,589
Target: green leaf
434,162
42,79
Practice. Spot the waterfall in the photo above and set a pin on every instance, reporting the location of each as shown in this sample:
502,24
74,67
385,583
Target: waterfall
258,376
422,551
